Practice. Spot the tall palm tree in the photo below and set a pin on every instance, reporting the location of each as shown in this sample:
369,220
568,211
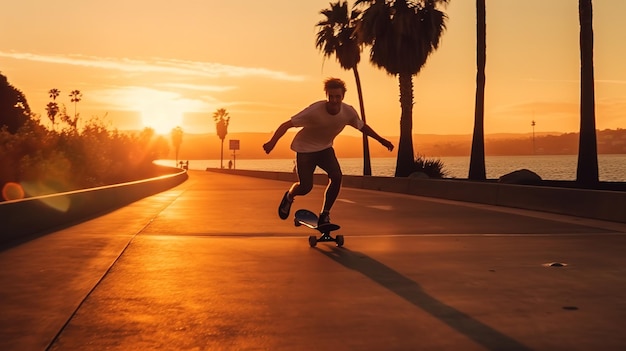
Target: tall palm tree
76,96
53,107
177,140
222,119
477,169
587,169
52,110
402,34
336,37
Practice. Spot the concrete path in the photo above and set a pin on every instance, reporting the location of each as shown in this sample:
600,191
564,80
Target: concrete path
209,266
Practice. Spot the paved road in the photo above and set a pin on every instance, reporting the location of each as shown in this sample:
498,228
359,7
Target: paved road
209,266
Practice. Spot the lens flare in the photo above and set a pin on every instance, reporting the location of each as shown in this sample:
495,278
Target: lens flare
12,191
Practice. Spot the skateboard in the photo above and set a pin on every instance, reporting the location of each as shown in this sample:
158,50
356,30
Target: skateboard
309,219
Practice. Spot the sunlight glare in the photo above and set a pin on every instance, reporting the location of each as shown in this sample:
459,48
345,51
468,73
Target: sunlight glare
161,116
160,110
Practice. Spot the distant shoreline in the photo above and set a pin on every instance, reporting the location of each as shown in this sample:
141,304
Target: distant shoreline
208,146
549,167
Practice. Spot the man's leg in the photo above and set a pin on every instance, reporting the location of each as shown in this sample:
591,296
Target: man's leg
328,162
305,166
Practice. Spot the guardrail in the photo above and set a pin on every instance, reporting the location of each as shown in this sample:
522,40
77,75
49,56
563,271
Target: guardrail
595,204
20,218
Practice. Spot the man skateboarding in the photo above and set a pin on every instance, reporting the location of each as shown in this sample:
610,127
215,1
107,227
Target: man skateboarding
321,122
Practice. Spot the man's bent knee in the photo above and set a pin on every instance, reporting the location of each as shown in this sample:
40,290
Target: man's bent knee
335,178
302,189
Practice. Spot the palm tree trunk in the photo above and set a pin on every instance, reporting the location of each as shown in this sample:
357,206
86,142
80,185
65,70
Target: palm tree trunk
406,158
367,166
222,155
587,169
477,169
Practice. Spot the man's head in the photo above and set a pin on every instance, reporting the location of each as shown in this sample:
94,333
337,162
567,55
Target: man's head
335,90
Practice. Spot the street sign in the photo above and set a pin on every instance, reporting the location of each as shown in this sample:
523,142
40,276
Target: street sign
234,144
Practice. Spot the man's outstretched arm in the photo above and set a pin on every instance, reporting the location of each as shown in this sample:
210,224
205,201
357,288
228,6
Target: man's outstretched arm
282,129
367,130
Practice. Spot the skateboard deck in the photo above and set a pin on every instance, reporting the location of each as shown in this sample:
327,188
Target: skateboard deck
309,219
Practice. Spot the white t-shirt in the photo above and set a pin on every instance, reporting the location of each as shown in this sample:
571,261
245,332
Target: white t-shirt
319,128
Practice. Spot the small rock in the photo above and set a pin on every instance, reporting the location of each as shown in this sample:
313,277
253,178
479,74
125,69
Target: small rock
521,176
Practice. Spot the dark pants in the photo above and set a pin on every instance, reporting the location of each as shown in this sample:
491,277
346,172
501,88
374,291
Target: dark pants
306,164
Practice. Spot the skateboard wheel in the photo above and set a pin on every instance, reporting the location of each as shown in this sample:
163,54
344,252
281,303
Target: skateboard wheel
312,240
339,240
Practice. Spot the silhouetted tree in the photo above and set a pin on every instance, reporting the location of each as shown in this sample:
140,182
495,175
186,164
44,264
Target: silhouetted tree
336,37
14,109
177,140
587,169
222,119
402,34
76,96
53,108
477,169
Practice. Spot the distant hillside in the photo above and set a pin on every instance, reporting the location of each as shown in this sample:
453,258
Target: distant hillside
207,146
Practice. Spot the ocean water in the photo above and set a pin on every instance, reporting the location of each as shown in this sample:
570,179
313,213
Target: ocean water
550,167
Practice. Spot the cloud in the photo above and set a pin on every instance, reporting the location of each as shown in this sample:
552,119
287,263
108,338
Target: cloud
538,107
155,65
576,81
611,81
196,87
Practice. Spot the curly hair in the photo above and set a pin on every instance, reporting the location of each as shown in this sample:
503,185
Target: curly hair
334,83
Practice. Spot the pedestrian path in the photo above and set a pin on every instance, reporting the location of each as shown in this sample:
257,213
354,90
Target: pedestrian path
209,266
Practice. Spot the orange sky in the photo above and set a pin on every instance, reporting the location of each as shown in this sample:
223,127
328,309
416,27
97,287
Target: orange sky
163,63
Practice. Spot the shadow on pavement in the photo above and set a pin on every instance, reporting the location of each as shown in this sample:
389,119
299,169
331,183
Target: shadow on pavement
413,293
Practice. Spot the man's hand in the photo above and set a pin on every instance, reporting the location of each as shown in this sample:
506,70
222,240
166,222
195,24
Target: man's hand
269,146
282,129
386,143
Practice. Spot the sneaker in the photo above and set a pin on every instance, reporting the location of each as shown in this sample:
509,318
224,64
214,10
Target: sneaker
285,206
323,219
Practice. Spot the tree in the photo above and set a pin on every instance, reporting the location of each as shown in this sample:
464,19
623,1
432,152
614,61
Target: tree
14,109
402,34
53,107
54,93
177,140
222,120
477,169
336,36
587,169
76,96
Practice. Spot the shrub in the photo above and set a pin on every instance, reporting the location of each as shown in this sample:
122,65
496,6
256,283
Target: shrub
45,161
433,168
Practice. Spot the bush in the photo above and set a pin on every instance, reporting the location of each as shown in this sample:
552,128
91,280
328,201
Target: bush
433,168
45,161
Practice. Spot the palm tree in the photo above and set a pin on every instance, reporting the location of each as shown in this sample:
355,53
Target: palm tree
221,119
54,93
336,36
177,140
587,169
53,108
402,34
477,169
76,96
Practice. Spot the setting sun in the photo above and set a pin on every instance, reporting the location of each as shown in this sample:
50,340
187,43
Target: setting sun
161,117
159,110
